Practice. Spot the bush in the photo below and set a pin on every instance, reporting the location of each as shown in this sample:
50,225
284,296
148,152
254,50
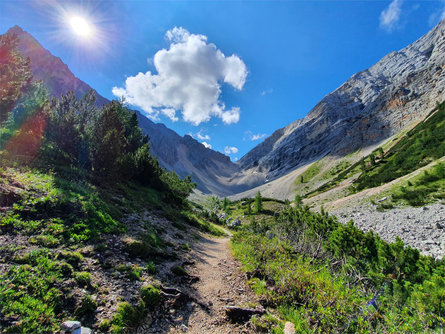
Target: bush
83,278
150,295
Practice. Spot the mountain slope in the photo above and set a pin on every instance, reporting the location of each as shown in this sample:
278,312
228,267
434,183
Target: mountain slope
186,156
371,106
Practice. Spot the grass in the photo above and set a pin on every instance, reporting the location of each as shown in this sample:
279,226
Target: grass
338,168
32,291
66,220
309,173
424,188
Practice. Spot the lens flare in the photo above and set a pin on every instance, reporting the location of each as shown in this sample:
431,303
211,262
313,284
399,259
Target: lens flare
80,26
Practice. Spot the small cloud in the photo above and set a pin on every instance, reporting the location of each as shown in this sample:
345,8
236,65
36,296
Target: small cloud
253,137
268,91
201,136
230,150
207,145
235,159
170,113
390,16
258,136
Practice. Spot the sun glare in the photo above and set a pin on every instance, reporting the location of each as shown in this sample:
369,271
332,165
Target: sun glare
80,26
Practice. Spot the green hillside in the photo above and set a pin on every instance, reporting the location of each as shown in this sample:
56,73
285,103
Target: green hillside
420,146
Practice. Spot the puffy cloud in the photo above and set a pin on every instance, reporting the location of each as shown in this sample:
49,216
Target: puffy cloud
207,145
189,77
391,15
230,150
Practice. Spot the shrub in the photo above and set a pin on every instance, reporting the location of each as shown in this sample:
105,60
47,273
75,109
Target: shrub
86,307
179,271
151,268
150,295
83,278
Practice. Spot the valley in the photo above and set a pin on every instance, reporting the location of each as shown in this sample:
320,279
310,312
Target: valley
333,224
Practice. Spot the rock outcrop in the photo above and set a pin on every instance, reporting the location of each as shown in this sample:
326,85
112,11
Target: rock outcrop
371,106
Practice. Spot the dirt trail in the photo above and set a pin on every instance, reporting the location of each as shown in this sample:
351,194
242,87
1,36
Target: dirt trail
221,283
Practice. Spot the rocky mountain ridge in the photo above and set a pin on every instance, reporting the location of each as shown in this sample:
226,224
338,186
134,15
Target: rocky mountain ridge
371,106
184,155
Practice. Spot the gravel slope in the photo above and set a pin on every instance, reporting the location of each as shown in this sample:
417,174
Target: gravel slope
422,228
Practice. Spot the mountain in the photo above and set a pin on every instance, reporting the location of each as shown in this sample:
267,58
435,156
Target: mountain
371,106
186,156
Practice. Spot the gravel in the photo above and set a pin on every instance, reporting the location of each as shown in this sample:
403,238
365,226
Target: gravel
422,228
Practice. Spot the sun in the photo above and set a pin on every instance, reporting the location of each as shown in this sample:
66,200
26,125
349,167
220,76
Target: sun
80,26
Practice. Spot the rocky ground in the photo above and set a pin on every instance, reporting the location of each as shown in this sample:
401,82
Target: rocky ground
422,228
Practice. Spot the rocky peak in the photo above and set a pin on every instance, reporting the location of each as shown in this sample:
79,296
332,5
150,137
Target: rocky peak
368,108
50,69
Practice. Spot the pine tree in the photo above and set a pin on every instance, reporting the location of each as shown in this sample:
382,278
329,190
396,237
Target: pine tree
298,201
15,74
258,202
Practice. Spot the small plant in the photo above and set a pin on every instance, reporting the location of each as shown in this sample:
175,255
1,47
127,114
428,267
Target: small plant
73,258
151,267
87,306
179,271
105,325
186,247
83,278
150,295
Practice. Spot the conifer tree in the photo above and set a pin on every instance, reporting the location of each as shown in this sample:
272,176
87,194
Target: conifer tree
258,202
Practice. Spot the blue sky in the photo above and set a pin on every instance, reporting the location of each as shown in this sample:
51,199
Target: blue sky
231,72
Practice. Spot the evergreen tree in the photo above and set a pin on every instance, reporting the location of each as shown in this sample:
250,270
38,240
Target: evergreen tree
15,74
258,202
380,150
226,203
298,201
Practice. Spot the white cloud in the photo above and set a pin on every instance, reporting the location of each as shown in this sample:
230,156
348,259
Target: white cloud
230,150
170,113
253,136
391,15
257,136
188,80
201,136
207,145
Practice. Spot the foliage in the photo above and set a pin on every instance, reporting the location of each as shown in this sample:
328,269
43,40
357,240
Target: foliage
258,202
426,187
309,173
32,290
323,275
15,74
